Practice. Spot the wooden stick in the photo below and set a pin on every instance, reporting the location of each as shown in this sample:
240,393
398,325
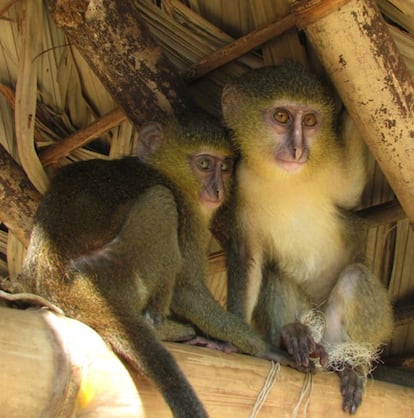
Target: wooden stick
239,47
383,213
52,154
404,314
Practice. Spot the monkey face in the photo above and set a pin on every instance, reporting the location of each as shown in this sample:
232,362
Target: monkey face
293,128
214,172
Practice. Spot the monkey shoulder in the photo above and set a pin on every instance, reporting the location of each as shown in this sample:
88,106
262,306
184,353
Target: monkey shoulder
85,195
105,181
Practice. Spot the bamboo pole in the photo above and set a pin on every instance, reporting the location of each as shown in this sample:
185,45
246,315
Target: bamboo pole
53,366
358,53
56,367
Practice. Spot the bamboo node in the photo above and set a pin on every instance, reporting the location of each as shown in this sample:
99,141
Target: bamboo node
30,299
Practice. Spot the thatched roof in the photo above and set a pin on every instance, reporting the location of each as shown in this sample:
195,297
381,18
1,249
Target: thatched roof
38,65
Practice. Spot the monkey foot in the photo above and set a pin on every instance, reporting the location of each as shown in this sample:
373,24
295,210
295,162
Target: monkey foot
352,387
212,344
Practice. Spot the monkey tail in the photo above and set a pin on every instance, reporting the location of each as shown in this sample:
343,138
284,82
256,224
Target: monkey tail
141,350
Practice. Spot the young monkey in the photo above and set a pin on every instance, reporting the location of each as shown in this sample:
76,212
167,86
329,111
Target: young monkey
293,248
121,244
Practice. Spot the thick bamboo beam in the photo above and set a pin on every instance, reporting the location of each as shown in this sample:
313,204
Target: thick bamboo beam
358,53
55,367
19,199
80,376
122,52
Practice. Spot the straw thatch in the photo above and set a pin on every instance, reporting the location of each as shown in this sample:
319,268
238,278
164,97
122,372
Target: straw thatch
42,75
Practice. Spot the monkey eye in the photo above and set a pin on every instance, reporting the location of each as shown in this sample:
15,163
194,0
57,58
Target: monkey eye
227,165
310,120
281,116
204,163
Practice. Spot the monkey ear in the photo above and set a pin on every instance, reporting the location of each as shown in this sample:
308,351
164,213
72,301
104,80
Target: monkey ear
150,139
231,98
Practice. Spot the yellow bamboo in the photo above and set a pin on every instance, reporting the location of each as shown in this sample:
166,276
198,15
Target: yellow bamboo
53,367
357,51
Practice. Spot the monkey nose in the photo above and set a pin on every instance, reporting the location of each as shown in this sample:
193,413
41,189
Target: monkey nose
297,152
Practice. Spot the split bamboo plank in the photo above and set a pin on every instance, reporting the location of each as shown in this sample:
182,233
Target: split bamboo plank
359,54
53,366
26,93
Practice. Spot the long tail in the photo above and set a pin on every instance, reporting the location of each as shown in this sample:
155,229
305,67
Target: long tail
136,344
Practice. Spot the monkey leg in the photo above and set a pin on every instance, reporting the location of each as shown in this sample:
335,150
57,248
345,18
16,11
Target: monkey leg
139,265
358,319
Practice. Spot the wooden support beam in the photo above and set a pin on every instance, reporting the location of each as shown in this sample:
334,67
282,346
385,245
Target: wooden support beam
19,199
358,53
120,49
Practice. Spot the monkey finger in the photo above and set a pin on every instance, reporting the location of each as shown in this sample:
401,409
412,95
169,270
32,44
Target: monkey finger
320,352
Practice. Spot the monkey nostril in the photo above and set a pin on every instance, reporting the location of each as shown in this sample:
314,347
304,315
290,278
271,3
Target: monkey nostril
297,153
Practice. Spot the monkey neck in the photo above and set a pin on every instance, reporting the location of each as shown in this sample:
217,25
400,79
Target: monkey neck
268,179
293,221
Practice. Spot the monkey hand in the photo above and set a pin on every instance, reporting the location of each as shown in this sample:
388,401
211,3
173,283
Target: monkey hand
352,387
299,343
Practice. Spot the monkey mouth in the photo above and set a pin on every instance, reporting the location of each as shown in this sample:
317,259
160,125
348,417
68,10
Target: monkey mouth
211,204
290,166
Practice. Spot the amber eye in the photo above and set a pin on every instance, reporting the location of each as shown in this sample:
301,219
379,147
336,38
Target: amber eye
310,120
281,116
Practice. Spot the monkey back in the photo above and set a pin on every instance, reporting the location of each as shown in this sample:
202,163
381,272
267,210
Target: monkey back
86,201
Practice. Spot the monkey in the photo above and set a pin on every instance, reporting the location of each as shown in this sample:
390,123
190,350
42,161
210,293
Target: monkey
293,246
121,245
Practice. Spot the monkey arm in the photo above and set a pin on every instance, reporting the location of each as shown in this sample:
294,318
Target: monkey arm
194,302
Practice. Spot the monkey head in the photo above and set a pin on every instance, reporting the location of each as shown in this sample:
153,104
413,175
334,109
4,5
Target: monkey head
194,151
289,109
